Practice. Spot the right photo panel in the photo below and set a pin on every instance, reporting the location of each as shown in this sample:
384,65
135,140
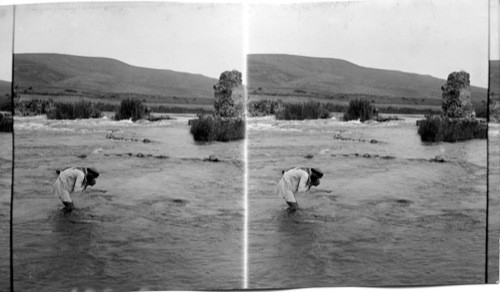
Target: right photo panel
367,144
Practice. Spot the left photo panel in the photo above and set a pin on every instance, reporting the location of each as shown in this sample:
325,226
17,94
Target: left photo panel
129,135
6,147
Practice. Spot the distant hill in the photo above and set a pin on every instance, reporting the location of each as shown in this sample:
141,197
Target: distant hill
56,72
4,87
323,76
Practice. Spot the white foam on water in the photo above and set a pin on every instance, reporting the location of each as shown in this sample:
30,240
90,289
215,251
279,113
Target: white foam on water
494,129
84,125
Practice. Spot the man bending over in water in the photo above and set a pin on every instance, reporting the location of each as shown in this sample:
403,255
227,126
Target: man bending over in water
73,180
297,180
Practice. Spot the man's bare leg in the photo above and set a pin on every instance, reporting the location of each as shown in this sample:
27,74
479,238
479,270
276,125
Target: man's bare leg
293,206
68,207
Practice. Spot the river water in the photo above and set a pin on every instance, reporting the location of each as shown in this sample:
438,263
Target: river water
384,214
160,216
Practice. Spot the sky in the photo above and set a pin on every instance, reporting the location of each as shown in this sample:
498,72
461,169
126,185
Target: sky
434,37
194,38
6,15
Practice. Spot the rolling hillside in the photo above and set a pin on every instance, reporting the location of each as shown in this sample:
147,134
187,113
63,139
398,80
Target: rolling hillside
59,73
321,76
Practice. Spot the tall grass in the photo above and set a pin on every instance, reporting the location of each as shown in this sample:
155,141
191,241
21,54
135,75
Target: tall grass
5,122
131,108
210,128
302,111
360,109
5,103
70,111
439,129
33,107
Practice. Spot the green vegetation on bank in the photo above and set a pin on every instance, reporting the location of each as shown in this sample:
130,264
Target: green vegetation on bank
5,103
265,107
302,111
440,129
58,110
6,122
70,111
360,110
49,107
132,109
212,128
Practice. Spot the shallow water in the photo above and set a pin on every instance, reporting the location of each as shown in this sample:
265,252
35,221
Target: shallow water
159,217
5,195
383,215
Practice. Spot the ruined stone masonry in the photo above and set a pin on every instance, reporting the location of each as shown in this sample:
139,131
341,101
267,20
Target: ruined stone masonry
456,95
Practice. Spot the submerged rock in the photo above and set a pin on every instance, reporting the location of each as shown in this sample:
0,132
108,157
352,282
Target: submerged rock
309,156
146,141
438,158
213,158
388,157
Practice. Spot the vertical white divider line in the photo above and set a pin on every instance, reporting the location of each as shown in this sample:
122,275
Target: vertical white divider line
245,145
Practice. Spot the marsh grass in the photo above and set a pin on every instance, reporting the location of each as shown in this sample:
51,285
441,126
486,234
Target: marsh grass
302,111
81,109
439,129
132,108
70,111
263,107
209,128
5,122
5,103
360,109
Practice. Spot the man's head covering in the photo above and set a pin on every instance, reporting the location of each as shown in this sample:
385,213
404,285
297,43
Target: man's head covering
317,172
92,171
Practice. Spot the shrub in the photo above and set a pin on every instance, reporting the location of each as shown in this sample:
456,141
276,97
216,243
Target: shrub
437,129
5,123
302,111
210,128
131,108
360,109
70,111
5,103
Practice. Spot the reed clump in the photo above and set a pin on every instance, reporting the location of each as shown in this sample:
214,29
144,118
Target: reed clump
213,128
302,111
360,109
443,129
6,124
132,108
70,111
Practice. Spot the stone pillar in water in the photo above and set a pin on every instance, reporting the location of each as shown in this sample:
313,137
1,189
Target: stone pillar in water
229,95
456,96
